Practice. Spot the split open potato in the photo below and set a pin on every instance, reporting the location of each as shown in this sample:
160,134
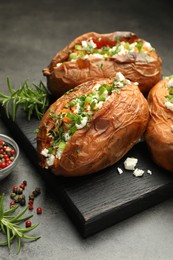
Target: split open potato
92,126
94,56
159,132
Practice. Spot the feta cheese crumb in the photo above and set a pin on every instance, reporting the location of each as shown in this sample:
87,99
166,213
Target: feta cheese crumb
83,123
96,87
59,153
170,83
97,55
44,152
66,136
90,43
138,172
169,105
136,83
147,45
76,110
172,128
120,76
120,171
50,160
149,172
85,57
58,64
130,163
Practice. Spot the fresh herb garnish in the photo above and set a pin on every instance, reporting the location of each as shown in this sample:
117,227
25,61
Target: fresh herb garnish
10,228
33,99
139,46
170,89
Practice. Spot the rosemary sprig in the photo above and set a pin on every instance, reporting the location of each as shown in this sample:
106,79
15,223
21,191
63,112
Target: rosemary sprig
33,99
9,225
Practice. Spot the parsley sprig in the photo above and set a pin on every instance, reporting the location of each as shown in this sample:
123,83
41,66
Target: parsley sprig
10,228
33,99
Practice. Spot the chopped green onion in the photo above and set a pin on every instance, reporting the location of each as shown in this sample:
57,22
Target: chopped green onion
78,47
73,56
62,145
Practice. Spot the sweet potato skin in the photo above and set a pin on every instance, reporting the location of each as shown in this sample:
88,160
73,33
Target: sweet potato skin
113,131
145,69
158,135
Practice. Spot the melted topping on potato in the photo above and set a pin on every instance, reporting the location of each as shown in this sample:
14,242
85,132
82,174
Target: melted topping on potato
169,97
77,114
93,48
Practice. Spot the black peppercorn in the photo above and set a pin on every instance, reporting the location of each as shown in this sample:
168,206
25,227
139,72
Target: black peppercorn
25,183
38,191
35,193
22,202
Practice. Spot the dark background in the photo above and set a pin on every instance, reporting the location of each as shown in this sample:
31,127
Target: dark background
31,32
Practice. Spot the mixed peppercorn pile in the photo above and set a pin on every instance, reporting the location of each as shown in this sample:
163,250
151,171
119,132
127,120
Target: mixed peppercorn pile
7,154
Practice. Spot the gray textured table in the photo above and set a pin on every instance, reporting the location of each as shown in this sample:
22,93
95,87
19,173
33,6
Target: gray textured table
30,34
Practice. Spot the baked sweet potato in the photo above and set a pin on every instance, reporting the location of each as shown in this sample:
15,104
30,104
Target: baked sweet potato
159,132
93,55
92,126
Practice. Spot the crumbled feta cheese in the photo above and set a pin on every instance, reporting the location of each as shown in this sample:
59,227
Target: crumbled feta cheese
147,45
44,152
66,136
84,44
99,104
85,57
130,163
170,83
136,83
90,43
132,46
172,128
58,154
128,81
50,160
76,110
122,50
97,55
96,87
58,64
83,123
149,172
120,171
169,105
120,76
138,172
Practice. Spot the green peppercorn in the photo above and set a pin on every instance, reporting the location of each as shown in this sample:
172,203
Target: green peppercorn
20,191
37,190
12,195
16,198
31,197
21,197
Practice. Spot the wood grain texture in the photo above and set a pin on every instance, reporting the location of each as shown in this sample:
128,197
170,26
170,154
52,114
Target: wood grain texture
100,200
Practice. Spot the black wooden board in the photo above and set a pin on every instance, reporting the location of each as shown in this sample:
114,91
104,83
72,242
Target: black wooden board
100,200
